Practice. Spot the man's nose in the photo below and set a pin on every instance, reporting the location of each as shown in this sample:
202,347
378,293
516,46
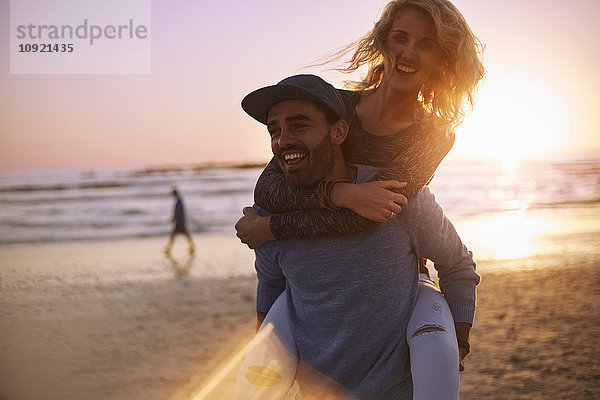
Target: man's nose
285,138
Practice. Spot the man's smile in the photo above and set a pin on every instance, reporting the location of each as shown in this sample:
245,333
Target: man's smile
293,158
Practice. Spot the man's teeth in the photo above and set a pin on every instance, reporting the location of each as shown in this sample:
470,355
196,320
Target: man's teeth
405,68
293,156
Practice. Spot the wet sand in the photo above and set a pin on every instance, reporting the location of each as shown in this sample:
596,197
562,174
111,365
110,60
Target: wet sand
118,320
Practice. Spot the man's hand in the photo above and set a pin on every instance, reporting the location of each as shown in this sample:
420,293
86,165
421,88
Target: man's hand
462,351
463,330
254,230
373,200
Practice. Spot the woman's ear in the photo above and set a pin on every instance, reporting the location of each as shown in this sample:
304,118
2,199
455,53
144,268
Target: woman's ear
339,132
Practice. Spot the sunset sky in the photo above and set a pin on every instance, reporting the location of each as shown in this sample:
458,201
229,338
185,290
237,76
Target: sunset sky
541,95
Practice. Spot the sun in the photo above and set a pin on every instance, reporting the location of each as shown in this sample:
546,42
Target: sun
516,116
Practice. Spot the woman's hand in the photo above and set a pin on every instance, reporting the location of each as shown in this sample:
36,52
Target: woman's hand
373,200
254,230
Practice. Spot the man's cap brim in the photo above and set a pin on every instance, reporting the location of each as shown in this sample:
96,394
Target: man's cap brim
258,103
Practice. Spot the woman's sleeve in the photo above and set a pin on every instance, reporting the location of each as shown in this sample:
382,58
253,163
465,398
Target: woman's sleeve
319,223
273,194
298,213
297,209
417,164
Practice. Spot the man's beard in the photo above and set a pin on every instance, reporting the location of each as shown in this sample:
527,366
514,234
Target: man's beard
320,162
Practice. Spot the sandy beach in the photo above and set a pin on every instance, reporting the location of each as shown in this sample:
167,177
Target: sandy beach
118,320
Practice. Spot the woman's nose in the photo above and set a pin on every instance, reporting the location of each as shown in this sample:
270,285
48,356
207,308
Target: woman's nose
408,52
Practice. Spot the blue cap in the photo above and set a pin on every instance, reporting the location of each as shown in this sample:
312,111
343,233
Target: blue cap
298,87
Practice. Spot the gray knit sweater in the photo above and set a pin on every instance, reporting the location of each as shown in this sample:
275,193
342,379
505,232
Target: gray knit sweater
350,297
411,155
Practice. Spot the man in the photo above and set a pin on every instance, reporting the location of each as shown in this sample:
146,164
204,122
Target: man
348,299
179,224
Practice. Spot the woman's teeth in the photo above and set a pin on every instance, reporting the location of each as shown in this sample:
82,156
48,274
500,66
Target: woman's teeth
405,68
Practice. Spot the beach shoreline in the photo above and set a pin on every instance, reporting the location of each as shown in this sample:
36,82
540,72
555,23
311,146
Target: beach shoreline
118,320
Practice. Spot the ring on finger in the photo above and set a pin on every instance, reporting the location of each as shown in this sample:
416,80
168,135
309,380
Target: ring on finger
392,215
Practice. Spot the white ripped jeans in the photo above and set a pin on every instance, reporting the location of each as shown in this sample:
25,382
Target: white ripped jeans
268,371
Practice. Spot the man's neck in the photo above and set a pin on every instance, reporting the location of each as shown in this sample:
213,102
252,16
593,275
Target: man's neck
342,172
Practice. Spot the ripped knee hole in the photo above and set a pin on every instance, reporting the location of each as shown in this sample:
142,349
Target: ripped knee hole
428,329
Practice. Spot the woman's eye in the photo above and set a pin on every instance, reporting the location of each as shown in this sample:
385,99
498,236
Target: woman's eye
400,38
427,45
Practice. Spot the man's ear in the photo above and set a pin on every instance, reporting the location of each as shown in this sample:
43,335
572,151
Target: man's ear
339,132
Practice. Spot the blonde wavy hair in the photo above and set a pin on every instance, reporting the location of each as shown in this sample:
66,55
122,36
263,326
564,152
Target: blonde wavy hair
453,86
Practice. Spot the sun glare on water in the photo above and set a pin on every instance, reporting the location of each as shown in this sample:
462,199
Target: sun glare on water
515,117
507,235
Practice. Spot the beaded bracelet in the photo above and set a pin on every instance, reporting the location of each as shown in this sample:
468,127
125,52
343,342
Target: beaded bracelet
324,194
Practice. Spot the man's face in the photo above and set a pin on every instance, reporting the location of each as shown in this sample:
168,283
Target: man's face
301,141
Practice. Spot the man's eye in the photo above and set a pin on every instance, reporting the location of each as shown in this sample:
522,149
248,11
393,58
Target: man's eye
274,132
300,127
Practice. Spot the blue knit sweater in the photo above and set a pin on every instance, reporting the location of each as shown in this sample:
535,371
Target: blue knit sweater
350,297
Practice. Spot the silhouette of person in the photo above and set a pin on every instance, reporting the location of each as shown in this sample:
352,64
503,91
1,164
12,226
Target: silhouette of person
179,224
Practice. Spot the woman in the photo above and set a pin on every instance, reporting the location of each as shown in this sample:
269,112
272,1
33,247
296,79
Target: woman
424,64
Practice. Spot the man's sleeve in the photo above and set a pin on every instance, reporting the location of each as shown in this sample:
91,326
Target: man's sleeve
437,240
271,281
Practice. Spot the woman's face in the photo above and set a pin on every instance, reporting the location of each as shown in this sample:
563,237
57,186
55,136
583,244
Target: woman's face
412,51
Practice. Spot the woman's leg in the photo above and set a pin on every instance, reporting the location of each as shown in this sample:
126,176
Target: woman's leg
269,369
433,348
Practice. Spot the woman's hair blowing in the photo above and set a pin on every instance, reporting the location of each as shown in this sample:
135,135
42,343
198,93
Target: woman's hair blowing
453,85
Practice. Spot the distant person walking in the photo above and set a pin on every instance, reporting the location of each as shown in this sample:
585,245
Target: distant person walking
180,225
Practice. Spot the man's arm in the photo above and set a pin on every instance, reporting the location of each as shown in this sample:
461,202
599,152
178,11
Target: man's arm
260,317
437,240
271,281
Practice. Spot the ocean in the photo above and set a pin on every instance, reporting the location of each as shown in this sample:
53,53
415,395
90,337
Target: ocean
62,205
